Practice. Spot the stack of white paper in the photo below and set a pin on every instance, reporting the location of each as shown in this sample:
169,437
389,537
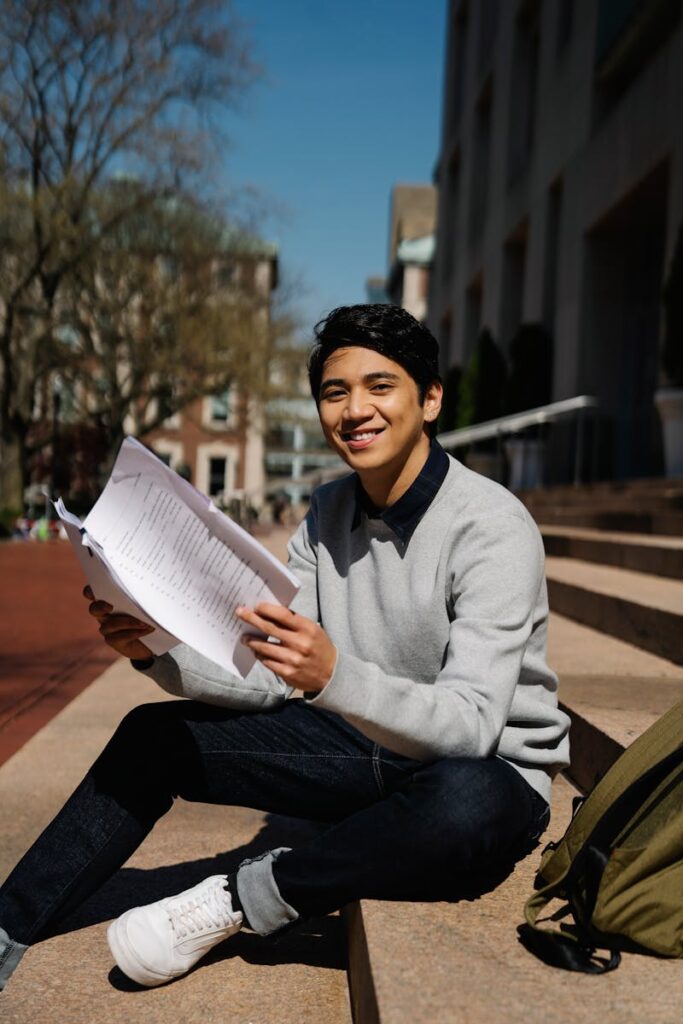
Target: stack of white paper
156,548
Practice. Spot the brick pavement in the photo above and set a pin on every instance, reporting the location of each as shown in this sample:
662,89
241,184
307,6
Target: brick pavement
50,649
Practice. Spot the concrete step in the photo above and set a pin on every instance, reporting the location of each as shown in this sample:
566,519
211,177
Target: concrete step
419,963
633,520
607,714
654,492
461,963
658,501
641,608
659,556
611,689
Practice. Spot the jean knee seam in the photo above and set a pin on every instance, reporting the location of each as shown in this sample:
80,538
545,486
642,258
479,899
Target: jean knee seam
376,769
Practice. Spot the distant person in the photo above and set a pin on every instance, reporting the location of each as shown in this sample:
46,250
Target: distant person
41,529
429,731
280,507
22,528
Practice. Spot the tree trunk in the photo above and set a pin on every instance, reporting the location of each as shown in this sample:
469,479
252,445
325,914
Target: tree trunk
12,471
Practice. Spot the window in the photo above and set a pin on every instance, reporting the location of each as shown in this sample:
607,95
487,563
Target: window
512,283
450,222
488,27
565,24
479,189
217,471
629,32
473,306
552,248
226,274
220,407
458,67
523,90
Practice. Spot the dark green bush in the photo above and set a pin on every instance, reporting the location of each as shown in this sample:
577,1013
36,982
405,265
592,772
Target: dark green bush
448,416
672,348
530,380
482,386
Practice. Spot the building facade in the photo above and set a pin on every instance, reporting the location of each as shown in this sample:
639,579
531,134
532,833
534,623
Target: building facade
218,441
411,246
560,182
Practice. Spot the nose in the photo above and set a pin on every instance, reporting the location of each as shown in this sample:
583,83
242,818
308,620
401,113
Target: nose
357,407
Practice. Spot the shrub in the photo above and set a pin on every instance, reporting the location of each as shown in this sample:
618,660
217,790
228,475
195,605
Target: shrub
482,386
529,384
672,348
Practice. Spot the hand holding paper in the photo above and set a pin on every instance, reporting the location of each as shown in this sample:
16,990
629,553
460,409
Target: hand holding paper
155,548
304,656
122,632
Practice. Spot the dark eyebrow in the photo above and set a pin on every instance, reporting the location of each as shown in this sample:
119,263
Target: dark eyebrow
367,379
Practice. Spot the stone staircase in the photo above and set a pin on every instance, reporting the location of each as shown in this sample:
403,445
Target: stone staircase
614,565
653,505
615,642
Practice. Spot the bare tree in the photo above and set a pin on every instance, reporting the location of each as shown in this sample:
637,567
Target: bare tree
169,309
88,90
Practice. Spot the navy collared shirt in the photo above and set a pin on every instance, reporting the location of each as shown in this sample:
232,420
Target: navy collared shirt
404,515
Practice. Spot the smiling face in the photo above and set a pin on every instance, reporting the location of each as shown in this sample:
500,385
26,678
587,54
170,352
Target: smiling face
371,415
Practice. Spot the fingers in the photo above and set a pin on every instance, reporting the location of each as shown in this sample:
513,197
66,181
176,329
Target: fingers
262,648
99,610
273,619
260,623
283,661
120,624
128,647
87,592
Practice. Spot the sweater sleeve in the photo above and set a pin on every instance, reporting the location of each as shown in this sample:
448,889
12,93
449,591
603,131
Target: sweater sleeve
495,577
184,672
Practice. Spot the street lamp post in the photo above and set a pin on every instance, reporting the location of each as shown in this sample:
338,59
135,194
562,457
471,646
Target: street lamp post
54,468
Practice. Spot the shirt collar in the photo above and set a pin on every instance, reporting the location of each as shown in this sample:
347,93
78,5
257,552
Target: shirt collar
404,515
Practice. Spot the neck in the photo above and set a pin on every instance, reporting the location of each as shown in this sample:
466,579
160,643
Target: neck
386,484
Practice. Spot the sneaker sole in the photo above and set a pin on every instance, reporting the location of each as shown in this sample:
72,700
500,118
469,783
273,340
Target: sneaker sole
126,958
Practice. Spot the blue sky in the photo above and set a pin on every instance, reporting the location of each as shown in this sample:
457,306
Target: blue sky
349,104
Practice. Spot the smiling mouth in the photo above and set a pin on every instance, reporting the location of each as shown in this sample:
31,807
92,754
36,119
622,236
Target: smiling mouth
360,438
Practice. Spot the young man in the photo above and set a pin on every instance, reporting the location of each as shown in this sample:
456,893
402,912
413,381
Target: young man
429,731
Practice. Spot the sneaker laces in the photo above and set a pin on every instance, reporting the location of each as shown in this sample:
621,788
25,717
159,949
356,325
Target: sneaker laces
212,909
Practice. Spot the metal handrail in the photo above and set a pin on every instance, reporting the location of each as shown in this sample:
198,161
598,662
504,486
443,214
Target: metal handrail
517,421
497,428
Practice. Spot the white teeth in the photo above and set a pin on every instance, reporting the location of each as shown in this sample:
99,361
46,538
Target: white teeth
361,437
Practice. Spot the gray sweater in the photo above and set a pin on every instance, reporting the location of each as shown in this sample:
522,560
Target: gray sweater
441,640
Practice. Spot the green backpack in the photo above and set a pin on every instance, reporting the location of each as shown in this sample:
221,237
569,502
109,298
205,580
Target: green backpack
619,866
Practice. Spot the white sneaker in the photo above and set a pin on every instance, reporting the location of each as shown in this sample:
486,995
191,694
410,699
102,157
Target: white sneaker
162,941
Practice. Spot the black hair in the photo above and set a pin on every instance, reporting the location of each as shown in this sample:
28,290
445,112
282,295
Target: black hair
390,330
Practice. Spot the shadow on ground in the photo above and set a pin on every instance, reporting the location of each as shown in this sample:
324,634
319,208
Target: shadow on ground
317,942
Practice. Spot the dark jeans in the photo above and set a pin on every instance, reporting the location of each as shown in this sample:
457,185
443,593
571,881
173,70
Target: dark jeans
399,829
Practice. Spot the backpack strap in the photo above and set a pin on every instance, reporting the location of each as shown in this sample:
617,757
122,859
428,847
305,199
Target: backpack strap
571,951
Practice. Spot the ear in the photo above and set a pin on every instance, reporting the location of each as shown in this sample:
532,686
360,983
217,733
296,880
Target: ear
433,400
